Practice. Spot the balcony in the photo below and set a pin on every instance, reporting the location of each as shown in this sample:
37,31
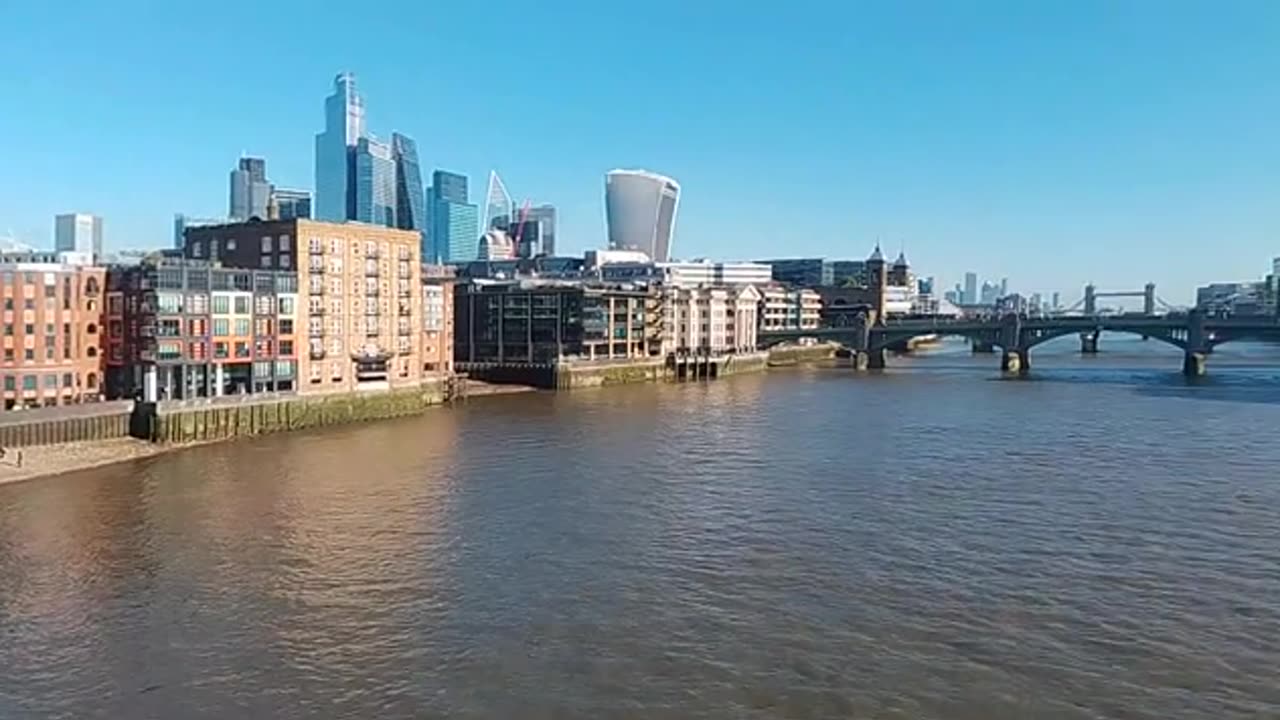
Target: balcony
317,353
404,310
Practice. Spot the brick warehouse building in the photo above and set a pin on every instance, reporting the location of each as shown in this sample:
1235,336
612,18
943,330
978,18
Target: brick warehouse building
52,326
360,295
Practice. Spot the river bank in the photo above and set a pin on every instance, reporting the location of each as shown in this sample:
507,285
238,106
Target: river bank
46,460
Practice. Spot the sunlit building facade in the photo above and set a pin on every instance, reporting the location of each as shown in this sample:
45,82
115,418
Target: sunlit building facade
640,209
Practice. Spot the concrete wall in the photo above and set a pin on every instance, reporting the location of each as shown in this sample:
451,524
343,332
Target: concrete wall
570,376
70,423
224,421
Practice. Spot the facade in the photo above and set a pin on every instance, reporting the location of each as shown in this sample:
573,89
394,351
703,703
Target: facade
454,231
817,272
538,321
335,151
640,211
709,320
688,274
290,204
375,183
52,329
1234,298
250,191
784,308
179,329
437,320
410,200
496,244
359,292
78,232
542,218
970,294
562,268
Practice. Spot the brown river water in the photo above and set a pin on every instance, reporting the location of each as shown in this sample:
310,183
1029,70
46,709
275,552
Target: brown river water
1099,541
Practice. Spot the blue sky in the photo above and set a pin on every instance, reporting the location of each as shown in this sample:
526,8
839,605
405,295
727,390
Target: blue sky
1052,142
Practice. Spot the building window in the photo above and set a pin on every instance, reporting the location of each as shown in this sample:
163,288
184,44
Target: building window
262,326
262,369
286,347
264,261
285,262
285,368
220,351
265,304
8,354
91,381
169,350
51,382
266,243
197,326
286,306
221,327
197,248
29,354
68,380
30,382
242,305
221,305
10,383
8,328
29,328
198,304
197,350
231,244
242,349
169,328
286,326
242,326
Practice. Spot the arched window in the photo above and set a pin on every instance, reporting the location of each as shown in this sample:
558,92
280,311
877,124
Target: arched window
92,306
91,380
91,287
91,328
93,351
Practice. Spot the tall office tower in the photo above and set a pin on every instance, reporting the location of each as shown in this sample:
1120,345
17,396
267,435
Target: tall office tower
375,183
498,207
250,191
1056,302
454,231
1004,287
410,213
291,204
970,296
542,220
335,198
78,232
640,210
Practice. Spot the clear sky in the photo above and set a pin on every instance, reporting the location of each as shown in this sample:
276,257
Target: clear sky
1053,142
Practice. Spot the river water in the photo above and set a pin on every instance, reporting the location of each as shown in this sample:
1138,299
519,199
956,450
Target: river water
1099,541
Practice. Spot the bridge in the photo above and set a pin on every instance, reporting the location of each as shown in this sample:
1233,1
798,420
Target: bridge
1015,335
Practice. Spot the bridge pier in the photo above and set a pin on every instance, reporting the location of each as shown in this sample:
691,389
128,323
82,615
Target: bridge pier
858,360
875,359
1089,342
1193,364
983,347
1015,362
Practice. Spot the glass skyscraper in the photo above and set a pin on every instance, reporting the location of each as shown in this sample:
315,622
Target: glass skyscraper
498,207
640,210
543,218
375,183
250,190
410,213
335,198
453,234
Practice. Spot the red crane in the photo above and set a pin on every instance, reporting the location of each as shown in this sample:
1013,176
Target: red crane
524,215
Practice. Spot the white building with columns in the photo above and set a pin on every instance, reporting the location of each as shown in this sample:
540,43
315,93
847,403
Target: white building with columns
709,320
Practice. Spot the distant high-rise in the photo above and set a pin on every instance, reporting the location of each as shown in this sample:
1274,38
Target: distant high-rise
250,190
498,207
410,201
78,232
1004,287
541,221
335,198
1055,303
375,183
640,211
182,222
970,296
291,204
453,233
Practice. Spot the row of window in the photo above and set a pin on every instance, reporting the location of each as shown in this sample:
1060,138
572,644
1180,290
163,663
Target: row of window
51,381
197,304
371,248
240,349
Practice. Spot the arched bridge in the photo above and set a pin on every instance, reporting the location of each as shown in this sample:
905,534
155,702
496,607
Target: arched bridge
1194,333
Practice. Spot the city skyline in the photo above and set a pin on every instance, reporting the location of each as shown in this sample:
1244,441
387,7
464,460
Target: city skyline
1008,156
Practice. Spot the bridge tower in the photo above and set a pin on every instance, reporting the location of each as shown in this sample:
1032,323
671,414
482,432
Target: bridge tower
1149,299
877,281
1090,300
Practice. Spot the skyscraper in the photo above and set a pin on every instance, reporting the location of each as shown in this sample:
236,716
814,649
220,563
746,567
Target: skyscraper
250,191
335,198
453,234
640,211
970,296
375,183
291,204
543,219
410,213
498,207
78,232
